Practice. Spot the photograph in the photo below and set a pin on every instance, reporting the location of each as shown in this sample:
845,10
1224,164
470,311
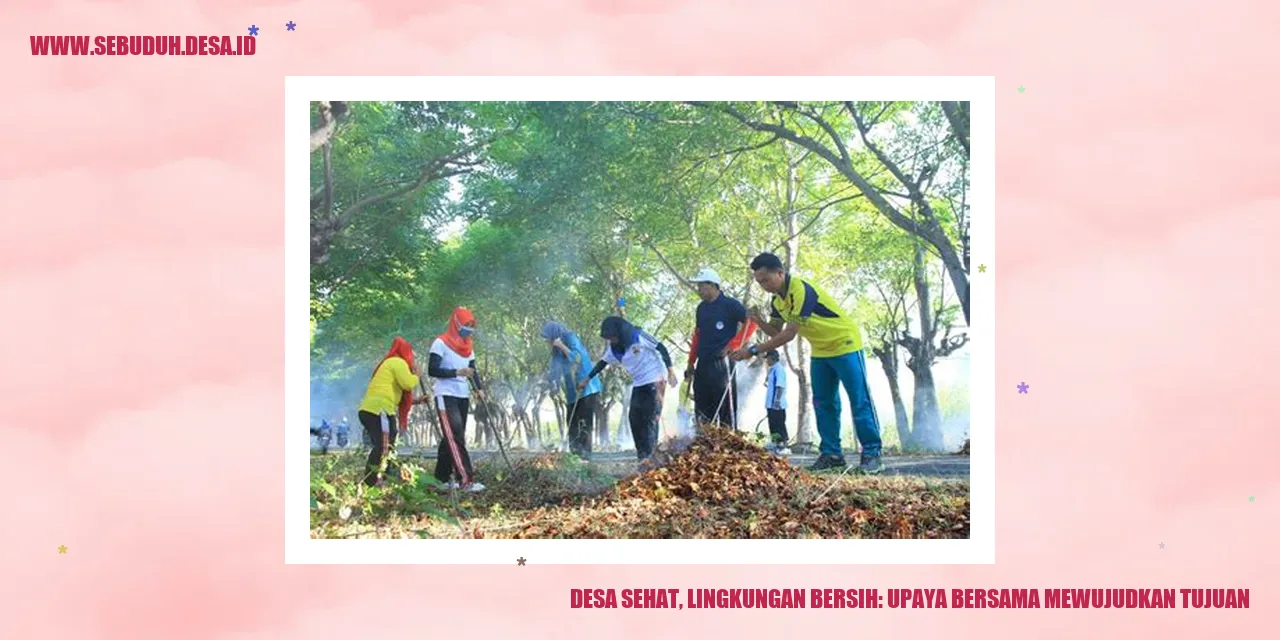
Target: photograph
731,320
634,318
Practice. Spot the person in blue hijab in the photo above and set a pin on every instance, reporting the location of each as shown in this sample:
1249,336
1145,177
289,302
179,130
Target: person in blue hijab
570,363
644,357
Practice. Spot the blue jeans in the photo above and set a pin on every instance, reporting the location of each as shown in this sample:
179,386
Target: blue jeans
828,374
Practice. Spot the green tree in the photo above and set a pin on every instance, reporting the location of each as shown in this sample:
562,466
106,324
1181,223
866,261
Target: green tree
537,211
830,130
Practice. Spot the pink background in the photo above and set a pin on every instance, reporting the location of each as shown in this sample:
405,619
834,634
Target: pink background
140,286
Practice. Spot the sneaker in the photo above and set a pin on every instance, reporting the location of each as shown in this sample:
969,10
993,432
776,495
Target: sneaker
453,485
475,487
783,450
870,465
827,461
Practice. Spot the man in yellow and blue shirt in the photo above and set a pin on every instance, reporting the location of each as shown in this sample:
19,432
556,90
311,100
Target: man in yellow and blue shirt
800,308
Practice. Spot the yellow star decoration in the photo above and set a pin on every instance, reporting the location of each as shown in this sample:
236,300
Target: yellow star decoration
62,548
982,268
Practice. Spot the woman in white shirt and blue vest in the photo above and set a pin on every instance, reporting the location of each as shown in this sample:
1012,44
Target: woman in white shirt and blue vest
644,357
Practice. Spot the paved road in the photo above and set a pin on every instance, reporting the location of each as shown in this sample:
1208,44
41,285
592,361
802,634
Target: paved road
935,466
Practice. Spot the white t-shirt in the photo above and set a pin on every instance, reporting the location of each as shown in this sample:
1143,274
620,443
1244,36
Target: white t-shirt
449,359
641,360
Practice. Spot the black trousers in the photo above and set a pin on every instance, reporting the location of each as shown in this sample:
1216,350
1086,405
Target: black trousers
778,425
644,419
373,432
582,425
456,411
710,380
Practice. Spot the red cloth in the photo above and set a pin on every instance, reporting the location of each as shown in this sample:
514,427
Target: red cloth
693,348
400,348
748,330
452,337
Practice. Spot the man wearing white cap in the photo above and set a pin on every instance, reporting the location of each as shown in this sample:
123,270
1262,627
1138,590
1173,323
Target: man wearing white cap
722,326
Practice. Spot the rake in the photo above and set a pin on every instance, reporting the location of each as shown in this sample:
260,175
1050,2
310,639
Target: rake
493,430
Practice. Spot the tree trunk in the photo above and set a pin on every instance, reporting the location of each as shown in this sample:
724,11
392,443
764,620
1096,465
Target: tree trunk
927,433
536,416
535,419
544,432
500,424
624,420
958,117
561,408
522,418
805,433
330,114
482,418
531,441
424,423
888,356
959,276
478,421
602,423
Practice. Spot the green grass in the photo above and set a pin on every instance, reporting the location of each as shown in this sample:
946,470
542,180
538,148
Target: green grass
420,506
340,501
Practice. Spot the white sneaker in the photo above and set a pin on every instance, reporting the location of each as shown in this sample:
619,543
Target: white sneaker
475,487
453,485
783,450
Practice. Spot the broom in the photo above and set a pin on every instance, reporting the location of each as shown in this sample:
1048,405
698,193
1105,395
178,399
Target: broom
496,436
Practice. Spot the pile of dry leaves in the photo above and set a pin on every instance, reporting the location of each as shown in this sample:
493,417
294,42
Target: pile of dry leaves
719,466
722,486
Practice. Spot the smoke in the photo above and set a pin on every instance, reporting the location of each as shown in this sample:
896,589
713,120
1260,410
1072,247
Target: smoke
333,400
955,422
955,430
685,419
749,385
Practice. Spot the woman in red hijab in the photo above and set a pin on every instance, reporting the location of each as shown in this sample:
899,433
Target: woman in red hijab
387,402
452,363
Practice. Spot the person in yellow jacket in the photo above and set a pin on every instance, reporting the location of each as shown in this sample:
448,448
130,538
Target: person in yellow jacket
799,308
387,401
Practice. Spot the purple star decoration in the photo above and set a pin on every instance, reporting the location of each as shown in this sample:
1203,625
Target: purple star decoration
1023,387
290,25
253,30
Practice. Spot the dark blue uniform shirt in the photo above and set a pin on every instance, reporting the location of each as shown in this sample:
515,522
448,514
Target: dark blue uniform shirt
717,324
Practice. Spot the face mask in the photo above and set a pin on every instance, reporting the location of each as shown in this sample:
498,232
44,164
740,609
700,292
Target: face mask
465,331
